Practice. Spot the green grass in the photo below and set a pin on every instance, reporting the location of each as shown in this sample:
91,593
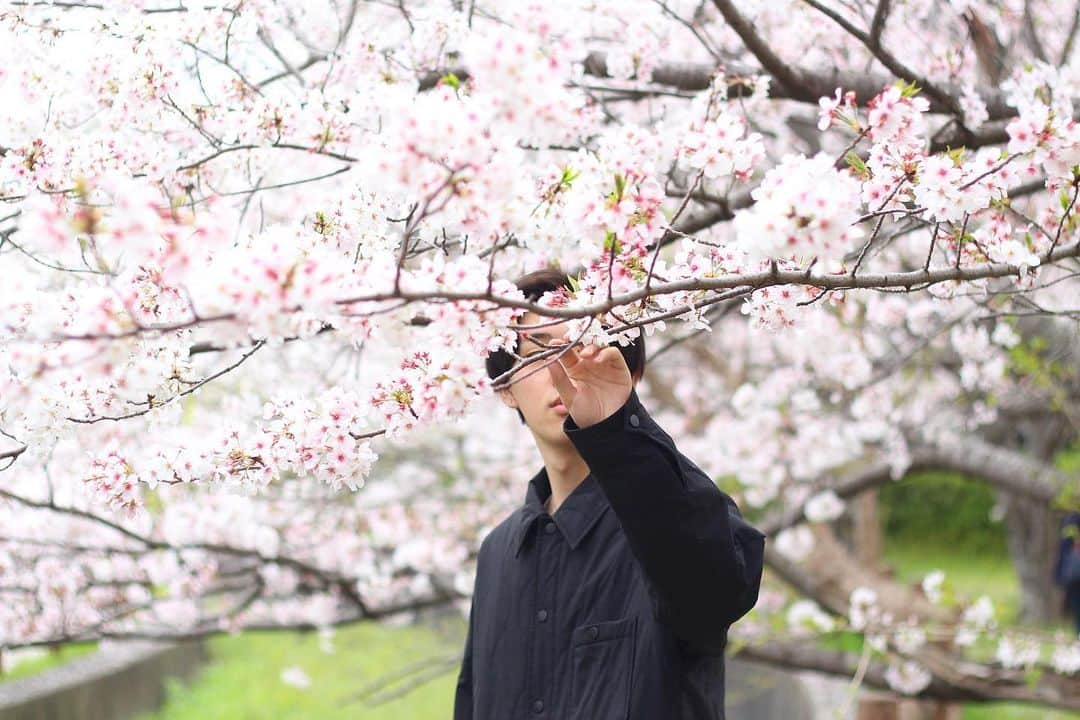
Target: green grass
988,574
1014,711
52,658
243,679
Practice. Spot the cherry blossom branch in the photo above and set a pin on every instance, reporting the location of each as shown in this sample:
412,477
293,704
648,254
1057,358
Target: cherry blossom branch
218,548
999,685
287,146
890,61
877,25
12,455
1034,41
779,68
152,404
506,379
1070,38
877,227
772,276
214,630
97,6
691,27
265,39
812,85
1001,468
1068,210
291,183
674,220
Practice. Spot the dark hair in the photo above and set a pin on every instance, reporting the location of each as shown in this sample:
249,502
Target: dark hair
535,284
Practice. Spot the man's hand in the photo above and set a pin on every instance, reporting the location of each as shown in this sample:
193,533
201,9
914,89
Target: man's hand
592,381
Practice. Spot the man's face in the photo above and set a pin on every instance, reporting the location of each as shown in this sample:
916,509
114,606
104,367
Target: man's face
535,396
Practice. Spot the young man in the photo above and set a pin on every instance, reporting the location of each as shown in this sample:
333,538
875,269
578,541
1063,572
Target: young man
608,595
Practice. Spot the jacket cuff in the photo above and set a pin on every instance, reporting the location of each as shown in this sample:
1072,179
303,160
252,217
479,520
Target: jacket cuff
613,441
617,422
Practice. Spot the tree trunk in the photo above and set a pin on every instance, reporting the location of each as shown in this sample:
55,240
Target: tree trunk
866,532
1031,527
1032,541
886,706
877,706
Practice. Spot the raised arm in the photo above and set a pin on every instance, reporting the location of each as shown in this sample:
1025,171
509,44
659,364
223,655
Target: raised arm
702,560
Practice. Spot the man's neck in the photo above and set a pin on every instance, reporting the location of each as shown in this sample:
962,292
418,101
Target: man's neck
566,469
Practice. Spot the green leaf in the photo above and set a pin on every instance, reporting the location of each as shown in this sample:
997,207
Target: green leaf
152,501
856,163
620,187
908,89
611,242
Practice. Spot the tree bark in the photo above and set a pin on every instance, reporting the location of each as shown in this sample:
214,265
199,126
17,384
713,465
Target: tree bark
886,706
876,706
1032,526
866,532
1032,543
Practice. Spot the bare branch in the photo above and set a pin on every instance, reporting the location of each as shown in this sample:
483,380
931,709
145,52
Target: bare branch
1034,41
779,68
877,25
890,61
1051,689
907,280
152,403
1066,49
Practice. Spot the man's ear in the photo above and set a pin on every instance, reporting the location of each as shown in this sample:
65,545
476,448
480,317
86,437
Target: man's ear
507,397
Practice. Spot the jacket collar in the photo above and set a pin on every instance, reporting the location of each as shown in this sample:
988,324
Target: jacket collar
574,518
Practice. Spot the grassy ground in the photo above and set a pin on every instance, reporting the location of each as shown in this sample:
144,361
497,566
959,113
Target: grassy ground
987,574
243,682
44,661
244,679
1013,711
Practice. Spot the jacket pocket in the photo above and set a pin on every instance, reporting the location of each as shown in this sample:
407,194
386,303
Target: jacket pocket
602,656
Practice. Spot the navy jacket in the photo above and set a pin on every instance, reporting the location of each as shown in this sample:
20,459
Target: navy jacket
618,605
1065,546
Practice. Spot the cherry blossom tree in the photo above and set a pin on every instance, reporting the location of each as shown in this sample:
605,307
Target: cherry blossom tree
252,256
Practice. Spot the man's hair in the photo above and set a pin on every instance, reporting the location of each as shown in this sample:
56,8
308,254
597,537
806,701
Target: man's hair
535,284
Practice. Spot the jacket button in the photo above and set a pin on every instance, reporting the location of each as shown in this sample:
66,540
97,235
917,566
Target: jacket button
549,528
634,419
592,633
538,706
541,615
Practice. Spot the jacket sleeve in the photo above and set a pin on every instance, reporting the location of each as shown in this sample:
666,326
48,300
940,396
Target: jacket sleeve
702,561
463,695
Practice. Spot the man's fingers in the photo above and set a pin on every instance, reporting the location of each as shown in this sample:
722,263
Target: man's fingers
562,382
571,356
613,356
